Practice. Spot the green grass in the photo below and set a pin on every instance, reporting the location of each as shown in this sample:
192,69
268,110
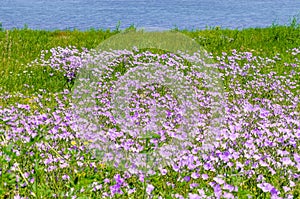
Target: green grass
20,47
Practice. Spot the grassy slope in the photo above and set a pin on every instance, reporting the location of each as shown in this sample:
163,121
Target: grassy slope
19,47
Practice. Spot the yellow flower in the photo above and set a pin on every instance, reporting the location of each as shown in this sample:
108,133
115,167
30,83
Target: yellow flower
73,142
102,165
83,174
87,142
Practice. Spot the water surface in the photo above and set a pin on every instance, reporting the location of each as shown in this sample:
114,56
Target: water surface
154,14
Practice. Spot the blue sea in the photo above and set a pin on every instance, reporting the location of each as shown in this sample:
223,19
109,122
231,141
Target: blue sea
150,14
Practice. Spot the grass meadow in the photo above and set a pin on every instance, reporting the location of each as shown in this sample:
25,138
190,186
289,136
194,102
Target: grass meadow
255,152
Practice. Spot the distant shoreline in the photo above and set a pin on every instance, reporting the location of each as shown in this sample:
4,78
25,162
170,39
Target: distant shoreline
294,22
112,28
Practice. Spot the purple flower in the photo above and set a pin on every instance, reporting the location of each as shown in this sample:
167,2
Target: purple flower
18,197
163,171
96,186
286,188
228,195
193,185
297,158
194,196
118,179
274,191
115,189
287,161
149,189
229,187
207,166
65,177
204,176
265,187
195,175
217,191
225,156
178,196
219,180
260,178
292,184
187,178
263,164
